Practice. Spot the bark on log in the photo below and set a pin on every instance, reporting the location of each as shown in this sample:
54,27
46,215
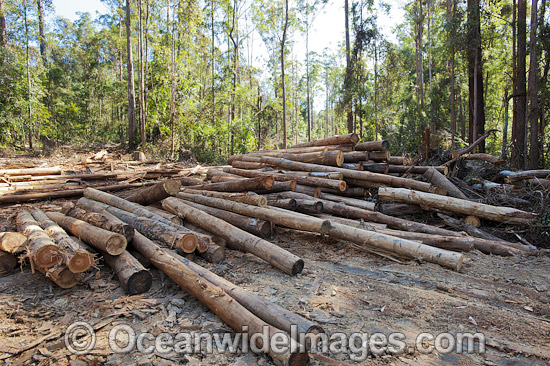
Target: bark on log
352,166
107,241
163,213
513,177
237,238
247,164
381,168
365,184
251,184
68,193
373,146
350,138
352,192
309,206
61,275
379,156
249,198
314,192
8,262
254,226
353,174
485,157
362,237
228,309
222,178
398,209
456,205
156,193
191,181
266,310
277,187
31,171
455,154
416,169
399,160
326,175
286,203
300,179
437,179
366,205
539,183
42,249
334,157
356,156
215,253
102,221
133,277
12,242
77,259
469,229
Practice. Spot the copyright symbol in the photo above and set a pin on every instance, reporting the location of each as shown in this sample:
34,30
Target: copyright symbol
80,338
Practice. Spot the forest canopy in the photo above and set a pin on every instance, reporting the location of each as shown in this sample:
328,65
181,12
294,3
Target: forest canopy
161,76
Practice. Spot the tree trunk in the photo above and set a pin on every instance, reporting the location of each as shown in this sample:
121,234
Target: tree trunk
534,152
101,220
156,193
141,91
3,38
252,184
249,198
131,92
12,242
520,121
451,15
41,31
43,251
239,239
437,179
419,28
283,41
133,277
29,107
348,71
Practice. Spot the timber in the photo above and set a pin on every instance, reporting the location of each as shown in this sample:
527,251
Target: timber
250,198
163,213
229,310
61,276
76,259
379,156
333,157
251,184
366,205
156,192
485,157
309,206
513,177
101,220
362,237
31,171
356,156
437,179
286,203
8,262
43,251
456,205
133,277
350,138
289,185
247,164
12,242
237,238
101,239
373,146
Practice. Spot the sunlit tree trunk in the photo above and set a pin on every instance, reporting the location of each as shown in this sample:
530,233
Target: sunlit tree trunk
534,152
141,77
29,107
3,38
520,120
131,92
41,30
419,27
283,41
348,69
475,75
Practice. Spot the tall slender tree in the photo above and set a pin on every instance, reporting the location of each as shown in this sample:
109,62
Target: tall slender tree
2,25
283,89
534,151
475,75
28,59
41,30
520,119
131,90
348,72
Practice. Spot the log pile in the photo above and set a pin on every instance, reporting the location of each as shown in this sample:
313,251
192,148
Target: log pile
354,192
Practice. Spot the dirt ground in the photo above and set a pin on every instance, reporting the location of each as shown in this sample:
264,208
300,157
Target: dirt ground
341,288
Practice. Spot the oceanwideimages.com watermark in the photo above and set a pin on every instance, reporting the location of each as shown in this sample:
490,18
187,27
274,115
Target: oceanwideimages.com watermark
80,338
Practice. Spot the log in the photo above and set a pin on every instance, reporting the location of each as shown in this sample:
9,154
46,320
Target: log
365,184
539,183
437,179
485,157
399,160
456,205
102,221
381,168
356,156
12,242
366,205
286,203
251,184
314,192
469,229
247,164
300,179
333,157
222,178
77,259
455,243
31,171
101,239
191,181
379,156
513,177
352,192
373,146
352,166
228,309
156,193
416,169
68,193
350,138
455,154
266,310
42,251
399,209
163,213
473,221
8,262
249,198
256,227
353,174
186,241
361,237
326,175
360,224
215,253
133,277
61,275
309,206
289,185
237,238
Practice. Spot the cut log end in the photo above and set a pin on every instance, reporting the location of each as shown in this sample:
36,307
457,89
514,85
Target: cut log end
47,256
265,229
188,243
64,278
215,254
115,245
80,262
298,267
440,191
473,220
12,242
297,359
342,186
172,186
139,282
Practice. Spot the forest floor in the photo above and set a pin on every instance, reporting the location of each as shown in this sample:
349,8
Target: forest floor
343,289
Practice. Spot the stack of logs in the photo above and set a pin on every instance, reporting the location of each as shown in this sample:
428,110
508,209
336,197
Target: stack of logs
325,186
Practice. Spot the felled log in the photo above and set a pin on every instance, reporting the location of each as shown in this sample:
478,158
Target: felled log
469,229
352,166
43,251
249,198
349,192
399,160
381,168
12,242
455,154
350,138
266,310
362,237
8,262
186,181
102,221
60,275
455,243
251,184
437,179
167,215
31,171
416,169
109,242
247,164
286,203
473,221
67,193
456,205
326,175
373,146
513,177
356,156
366,205
378,156
228,309
485,157
333,157
237,238
165,233
254,226
156,193
539,183
365,184
309,206
77,259
215,253
353,174
300,179
398,209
